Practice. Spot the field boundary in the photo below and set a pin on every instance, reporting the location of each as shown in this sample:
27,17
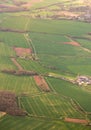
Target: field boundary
16,63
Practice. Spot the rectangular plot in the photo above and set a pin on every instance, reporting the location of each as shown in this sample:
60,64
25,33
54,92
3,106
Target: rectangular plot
41,83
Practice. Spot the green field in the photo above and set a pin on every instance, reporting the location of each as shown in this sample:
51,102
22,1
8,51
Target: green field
48,40
50,106
14,22
46,26
77,93
37,124
5,53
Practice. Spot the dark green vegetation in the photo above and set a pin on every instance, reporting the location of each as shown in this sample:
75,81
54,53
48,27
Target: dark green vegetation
53,52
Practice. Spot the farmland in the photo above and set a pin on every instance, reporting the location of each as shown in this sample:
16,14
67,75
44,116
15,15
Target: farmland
40,59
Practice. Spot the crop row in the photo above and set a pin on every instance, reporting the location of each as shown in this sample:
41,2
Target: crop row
49,106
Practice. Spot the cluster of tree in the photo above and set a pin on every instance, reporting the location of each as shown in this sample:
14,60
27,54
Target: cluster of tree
7,99
20,72
8,104
6,8
16,111
79,37
12,30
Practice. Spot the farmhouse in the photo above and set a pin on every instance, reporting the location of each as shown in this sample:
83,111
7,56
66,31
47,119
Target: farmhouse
83,80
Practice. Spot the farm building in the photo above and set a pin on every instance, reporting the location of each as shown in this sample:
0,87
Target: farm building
83,80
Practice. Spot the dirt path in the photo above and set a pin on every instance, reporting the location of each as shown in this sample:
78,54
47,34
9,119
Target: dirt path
85,49
80,121
16,63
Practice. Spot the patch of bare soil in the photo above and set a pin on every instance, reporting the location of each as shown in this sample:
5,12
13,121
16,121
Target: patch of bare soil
2,113
80,121
41,83
72,43
22,51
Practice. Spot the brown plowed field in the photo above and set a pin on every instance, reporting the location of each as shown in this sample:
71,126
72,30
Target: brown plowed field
22,51
80,121
41,83
72,43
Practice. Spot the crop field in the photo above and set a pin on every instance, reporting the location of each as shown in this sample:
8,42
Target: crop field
53,51
13,39
76,93
47,26
40,60
19,85
85,43
5,53
50,106
49,2
37,124
33,65
14,22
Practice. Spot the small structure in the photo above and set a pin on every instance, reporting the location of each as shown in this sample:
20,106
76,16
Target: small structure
83,80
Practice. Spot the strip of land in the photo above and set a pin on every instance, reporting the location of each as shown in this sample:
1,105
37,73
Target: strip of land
80,121
41,83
